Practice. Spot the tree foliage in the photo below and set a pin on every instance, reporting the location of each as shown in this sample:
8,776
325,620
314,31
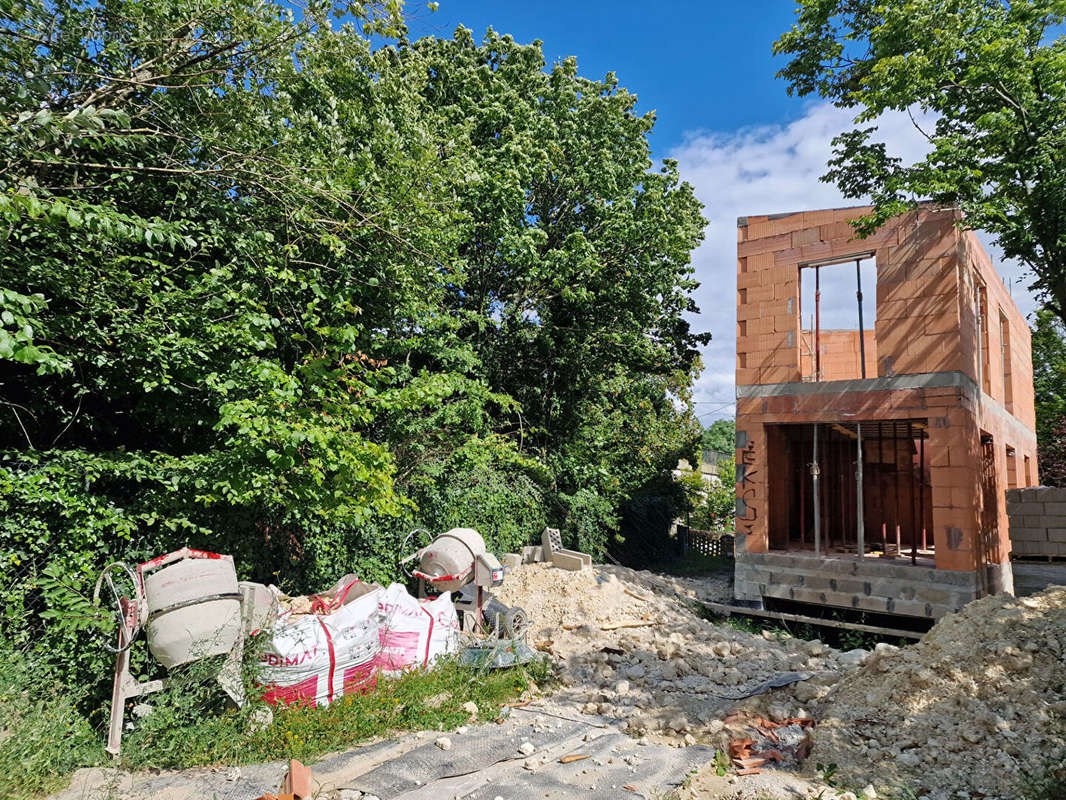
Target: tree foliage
721,436
268,290
993,76
1049,385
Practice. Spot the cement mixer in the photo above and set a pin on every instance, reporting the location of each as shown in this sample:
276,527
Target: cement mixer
192,608
458,562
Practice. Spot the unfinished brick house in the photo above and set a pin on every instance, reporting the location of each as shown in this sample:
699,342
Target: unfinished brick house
872,462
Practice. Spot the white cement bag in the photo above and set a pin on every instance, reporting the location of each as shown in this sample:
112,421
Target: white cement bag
415,633
316,658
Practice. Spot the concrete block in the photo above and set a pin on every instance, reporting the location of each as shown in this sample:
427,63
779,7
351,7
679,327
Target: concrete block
934,596
585,558
799,595
1019,534
742,590
511,560
1034,507
952,578
1056,534
532,554
561,560
551,540
848,585
1055,508
912,608
864,603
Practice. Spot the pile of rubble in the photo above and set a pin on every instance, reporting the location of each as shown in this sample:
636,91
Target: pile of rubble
648,658
979,702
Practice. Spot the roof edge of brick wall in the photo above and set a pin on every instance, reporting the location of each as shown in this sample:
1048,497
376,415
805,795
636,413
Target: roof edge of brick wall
742,222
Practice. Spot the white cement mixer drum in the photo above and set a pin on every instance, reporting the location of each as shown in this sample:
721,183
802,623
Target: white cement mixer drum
448,561
194,610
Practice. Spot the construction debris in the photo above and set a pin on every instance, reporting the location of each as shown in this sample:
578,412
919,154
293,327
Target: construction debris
979,702
296,785
674,674
297,781
780,742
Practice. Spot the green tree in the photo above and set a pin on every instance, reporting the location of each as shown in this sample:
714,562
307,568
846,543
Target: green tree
993,76
269,291
721,436
1049,385
573,276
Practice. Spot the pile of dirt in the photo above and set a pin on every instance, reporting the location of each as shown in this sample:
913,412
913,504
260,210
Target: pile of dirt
629,648
979,702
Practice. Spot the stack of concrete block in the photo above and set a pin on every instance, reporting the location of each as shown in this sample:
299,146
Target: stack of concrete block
885,586
1037,521
551,549
552,546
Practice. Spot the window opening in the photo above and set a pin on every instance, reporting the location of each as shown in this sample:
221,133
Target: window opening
1004,358
837,318
981,312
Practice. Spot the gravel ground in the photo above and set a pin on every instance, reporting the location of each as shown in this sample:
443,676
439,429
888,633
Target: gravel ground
629,647
978,702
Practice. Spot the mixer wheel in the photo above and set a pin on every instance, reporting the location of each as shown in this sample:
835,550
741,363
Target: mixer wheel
508,622
115,595
515,622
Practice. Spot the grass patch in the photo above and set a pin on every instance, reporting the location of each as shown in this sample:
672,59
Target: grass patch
418,700
44,737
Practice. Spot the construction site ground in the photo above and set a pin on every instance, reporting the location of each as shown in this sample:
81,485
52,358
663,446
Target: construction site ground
654,700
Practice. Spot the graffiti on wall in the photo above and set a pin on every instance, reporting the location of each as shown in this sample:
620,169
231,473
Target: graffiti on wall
747,509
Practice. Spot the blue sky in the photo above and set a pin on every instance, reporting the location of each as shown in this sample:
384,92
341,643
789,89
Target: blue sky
740,140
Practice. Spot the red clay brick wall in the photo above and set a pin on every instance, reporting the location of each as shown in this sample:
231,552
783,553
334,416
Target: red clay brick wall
951,454
1009,420
926,322
840,355
917,291
917,296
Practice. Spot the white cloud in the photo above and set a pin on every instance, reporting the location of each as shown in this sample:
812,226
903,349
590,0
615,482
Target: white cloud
768,170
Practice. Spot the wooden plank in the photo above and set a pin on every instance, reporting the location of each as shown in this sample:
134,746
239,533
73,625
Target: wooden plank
727,611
